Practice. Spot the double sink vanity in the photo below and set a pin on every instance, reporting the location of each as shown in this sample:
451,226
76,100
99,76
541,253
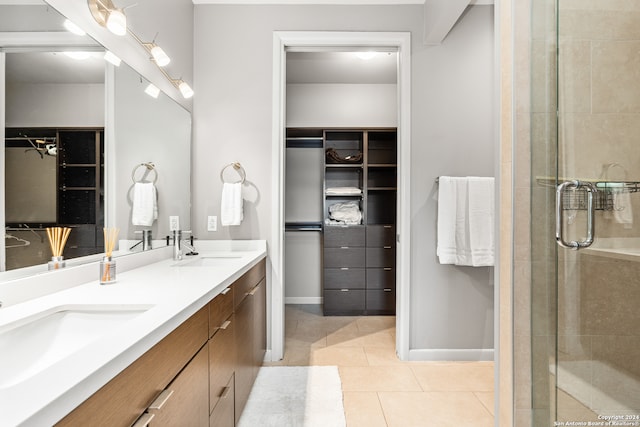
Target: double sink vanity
169,343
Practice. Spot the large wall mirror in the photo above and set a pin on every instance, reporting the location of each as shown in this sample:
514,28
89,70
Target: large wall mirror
78,133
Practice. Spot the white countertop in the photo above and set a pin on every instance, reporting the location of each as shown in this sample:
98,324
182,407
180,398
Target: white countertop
174,294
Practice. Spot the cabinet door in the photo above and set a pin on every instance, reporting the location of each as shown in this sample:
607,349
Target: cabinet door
186,404
222,360
244,354
259,326
223,413
220,309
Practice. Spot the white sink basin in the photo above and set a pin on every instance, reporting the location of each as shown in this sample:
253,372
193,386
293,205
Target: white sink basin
37,341
208,261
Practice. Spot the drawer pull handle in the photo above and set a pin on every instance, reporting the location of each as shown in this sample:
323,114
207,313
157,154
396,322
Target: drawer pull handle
344,290
253,291
387,269
161,400
387,289
344,268
387,247
344,247
225,392
226,291
225,325
387,226
144,420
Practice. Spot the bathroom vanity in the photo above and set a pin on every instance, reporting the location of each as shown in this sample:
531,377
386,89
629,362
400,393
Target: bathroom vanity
182,345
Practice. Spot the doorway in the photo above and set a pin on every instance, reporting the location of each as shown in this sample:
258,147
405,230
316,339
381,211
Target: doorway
331,41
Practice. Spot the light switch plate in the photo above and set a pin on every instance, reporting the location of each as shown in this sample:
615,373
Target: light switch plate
174,223
212,223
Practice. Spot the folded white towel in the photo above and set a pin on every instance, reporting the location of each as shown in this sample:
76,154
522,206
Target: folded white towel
231,205
145,204
465,231
340,191
622,211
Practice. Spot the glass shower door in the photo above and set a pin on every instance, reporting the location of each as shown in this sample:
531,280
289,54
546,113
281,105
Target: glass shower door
594,367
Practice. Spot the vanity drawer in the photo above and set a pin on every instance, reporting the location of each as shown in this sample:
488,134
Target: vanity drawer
344,257
222,360
336,236
381,235
380,278
339,278
381,257
344,301
220,308
247,281
381,301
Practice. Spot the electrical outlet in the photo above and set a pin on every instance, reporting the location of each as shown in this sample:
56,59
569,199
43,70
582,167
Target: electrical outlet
212,223
174,223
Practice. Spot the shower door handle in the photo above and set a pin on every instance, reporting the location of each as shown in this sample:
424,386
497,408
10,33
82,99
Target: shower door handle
591,190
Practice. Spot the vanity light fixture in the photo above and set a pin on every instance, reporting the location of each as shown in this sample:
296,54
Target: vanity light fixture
73,28
108,15
159,55
152,90
111,58
183,87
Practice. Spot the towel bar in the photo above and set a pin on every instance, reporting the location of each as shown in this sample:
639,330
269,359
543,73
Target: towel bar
150,167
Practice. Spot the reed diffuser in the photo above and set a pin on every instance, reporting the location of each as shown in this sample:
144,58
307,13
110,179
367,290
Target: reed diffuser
108,265
57,239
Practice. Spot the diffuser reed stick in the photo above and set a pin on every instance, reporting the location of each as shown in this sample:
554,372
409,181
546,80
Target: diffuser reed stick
108,266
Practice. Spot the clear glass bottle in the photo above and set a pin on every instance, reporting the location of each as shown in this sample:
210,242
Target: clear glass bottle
107,270
56,263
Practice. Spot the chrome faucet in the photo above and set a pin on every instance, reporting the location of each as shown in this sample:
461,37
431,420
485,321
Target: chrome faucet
179,244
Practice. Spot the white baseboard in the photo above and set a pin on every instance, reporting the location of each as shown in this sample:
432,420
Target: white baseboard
454,354
303,300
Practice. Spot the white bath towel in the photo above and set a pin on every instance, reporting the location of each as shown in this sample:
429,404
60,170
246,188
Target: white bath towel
466,221
622,211
145,204
231,205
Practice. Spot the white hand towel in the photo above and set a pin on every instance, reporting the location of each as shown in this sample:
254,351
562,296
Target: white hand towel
465,232
481,220
145,204
231,205
622,212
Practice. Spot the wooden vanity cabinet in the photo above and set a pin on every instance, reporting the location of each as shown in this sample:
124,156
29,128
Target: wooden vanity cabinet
126,397
200,374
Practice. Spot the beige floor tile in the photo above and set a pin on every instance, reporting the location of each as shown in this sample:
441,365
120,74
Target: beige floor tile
463,376
338,356
434,409
376,323
488,400
358,339
378,378
362,409
382,356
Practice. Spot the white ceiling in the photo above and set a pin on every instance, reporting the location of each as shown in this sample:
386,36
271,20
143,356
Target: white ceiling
54,67
341,67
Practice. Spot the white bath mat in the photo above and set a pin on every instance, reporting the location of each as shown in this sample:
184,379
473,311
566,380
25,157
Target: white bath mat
295,396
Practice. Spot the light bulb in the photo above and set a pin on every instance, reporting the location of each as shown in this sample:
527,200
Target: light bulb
152,90
117,22
185,89
110,57
160,56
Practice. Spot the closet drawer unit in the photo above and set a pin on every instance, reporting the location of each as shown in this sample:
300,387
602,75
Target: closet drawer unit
339,278
337,236
381,301
381,235
344,257
381,257
344,301
380,278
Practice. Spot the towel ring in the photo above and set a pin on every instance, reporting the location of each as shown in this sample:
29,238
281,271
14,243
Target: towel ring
150,167
238,167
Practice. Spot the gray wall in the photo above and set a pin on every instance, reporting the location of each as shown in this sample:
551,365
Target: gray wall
452,134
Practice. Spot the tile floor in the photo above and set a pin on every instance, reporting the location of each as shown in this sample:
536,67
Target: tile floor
379,390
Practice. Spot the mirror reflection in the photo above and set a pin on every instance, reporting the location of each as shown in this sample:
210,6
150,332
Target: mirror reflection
76,129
